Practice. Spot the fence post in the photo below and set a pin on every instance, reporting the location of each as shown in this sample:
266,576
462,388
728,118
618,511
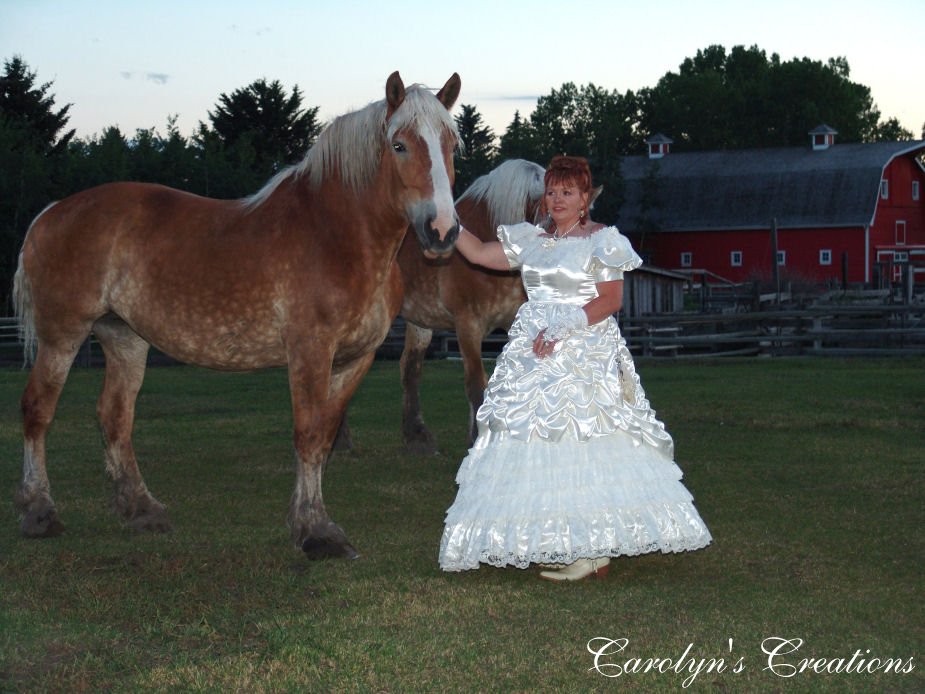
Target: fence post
817,328
775,270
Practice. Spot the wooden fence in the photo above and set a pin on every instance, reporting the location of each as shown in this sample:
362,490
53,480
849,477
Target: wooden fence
876,330
825,330
820,331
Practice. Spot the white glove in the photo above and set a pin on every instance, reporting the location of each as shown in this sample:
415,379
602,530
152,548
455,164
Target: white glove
569,319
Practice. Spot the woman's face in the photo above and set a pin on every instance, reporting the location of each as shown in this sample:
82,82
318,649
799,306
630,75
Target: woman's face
564,203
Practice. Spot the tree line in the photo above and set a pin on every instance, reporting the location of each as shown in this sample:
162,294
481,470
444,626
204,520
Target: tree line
716,100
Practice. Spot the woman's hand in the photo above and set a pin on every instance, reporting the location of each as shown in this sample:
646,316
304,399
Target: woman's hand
541,347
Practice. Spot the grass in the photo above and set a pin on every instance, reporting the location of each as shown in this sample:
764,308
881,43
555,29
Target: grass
808,472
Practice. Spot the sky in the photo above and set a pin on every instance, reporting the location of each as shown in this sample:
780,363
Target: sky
135,63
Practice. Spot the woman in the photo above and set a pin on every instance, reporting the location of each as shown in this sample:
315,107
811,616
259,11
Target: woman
570,466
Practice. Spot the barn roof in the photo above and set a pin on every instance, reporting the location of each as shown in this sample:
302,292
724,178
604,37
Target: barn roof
746,189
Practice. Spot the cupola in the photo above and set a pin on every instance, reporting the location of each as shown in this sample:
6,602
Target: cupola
822,137
659,145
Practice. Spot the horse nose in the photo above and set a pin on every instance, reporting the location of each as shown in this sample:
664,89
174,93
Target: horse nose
442,246
430,237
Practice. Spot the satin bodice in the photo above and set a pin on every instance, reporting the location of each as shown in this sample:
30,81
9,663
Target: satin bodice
554,275
567,270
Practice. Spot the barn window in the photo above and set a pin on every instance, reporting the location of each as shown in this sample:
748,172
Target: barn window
825,256
735,258
781,257
884,190
687,259
915,190
901,232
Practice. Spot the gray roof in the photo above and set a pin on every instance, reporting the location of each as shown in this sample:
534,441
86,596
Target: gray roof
746,189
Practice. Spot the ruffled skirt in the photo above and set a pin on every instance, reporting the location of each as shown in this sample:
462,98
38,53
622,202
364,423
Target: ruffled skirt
570,461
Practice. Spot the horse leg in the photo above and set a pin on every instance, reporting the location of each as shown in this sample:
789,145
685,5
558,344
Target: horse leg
470,347
39,518
343,441
319,401
418,438
126,356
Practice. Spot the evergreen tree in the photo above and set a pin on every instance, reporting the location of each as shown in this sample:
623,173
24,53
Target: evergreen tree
32,152
261,128
519,142
29,109
477,148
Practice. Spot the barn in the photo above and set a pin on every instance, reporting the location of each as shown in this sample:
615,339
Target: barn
830,214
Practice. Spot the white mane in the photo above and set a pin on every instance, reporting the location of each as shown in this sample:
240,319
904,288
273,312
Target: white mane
351,145
507,189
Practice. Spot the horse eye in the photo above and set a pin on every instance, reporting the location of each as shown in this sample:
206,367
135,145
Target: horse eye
398,147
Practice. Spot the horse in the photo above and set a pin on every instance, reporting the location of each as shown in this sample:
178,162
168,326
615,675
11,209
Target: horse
456,295
302,274
453,294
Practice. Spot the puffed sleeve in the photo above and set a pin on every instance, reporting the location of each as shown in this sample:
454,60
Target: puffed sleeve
611,256
515,239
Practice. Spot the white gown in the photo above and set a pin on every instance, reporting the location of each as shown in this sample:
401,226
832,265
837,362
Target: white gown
570,461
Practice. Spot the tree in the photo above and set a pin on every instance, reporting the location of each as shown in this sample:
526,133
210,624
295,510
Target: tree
32,149
478,148
179,161
590,122
269,128
891,131
30,108
746,99
519,142
557,124
108,158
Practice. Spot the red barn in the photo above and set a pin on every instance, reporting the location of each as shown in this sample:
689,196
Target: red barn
846,212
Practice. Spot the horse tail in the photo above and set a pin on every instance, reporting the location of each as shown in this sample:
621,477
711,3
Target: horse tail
22,303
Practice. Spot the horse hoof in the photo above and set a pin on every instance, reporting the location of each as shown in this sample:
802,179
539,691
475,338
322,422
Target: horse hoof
151,523
41,525
317,548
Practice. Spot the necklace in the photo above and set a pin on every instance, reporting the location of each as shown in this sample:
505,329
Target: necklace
551,241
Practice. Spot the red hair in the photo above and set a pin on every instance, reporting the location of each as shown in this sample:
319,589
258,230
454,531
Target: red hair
565,170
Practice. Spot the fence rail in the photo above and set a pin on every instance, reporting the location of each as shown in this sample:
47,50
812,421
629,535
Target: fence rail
876,330
828,330
11,348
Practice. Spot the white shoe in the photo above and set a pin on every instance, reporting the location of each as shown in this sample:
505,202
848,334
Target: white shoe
579,571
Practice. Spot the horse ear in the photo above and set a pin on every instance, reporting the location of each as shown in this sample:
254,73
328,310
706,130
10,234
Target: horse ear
394,93
595,192
450,92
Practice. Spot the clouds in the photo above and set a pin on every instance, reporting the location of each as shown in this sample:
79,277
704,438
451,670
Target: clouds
156,77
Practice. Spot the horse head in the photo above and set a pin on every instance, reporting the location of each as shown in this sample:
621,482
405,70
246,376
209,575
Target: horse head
421,140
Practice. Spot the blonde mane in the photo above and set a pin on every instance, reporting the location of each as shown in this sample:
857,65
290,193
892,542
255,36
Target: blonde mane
507,189
351,145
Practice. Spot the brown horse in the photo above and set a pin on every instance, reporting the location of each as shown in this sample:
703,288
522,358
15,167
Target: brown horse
302,274
456,295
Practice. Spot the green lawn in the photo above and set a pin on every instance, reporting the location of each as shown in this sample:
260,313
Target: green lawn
808,472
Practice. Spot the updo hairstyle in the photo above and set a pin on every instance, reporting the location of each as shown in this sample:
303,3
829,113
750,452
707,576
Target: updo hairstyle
565,170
